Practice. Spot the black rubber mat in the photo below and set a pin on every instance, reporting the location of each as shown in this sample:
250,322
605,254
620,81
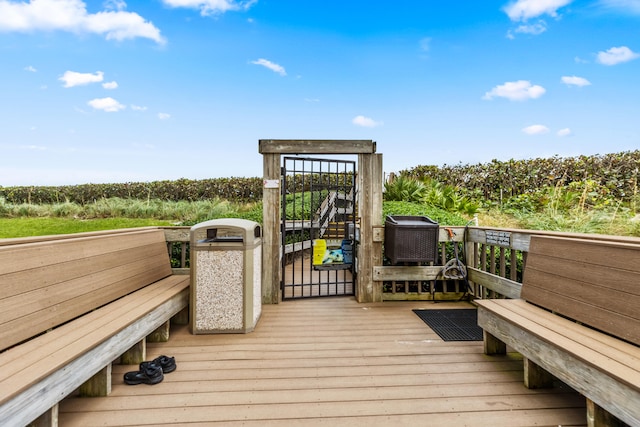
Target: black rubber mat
453,324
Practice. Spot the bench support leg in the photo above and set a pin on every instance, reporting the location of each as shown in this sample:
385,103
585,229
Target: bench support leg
598,417
135,354
161,334
48,419
493,345
181,317
99,385
535,376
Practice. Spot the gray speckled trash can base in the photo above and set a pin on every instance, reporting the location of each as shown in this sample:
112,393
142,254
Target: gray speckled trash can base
226,285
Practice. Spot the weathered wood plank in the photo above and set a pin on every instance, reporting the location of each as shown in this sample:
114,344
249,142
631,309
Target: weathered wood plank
315,146
46,283
33,255
592,282
359,364
389,272
506,287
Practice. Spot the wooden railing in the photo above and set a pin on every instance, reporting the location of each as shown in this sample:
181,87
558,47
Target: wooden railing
494,259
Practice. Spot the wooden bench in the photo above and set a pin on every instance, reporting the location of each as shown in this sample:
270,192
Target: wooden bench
70,306
579,321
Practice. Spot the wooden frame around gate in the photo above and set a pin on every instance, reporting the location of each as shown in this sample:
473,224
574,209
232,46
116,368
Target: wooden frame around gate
369,184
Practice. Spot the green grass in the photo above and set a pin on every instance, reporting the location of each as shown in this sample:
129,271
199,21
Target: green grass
29,226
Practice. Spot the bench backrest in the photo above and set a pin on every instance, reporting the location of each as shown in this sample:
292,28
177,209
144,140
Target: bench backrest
45,284
593,282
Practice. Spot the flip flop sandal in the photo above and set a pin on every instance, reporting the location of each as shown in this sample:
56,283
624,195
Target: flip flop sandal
168,364
149,374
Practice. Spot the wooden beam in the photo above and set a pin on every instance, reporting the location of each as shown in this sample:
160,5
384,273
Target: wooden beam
410,272
316,146
506,287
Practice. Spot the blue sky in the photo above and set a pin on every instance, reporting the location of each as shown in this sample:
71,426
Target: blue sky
119,91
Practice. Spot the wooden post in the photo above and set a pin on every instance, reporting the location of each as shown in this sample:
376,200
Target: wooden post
181,317
48,419
535,376
598,417
271,230
99,385
469,253
135,354
370,210
161,334
493,345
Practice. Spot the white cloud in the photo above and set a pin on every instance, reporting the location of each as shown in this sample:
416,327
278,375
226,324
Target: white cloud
164,116
73,78
626,6
575,81
110,85
516,91
212,7
138,108
366,122
271,65
535,130
534,29
115,5
30,68
616,55
522,10
108,104
72,16
564,132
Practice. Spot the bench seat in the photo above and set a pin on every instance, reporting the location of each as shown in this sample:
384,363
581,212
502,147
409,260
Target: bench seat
127,276
574,323
604,369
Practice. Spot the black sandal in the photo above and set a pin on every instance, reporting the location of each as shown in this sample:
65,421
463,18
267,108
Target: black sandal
168,364
148,374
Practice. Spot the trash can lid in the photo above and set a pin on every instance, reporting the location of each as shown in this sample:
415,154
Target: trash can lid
244,227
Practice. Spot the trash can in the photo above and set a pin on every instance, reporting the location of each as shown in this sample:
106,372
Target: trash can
410,239
226,269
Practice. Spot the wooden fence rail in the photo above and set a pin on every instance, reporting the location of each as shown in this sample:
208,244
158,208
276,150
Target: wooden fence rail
494,259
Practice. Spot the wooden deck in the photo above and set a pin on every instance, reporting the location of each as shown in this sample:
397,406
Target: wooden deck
330,362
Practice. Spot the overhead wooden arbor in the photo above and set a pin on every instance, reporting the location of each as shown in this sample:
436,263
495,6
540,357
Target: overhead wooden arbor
369,199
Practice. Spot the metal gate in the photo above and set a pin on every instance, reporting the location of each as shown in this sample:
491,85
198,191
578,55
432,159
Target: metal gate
318,227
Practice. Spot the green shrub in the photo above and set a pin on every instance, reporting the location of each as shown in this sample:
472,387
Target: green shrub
420,209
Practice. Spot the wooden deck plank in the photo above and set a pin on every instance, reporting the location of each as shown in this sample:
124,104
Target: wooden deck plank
330,361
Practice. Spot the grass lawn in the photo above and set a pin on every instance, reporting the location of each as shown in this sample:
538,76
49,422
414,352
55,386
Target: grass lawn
27,226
